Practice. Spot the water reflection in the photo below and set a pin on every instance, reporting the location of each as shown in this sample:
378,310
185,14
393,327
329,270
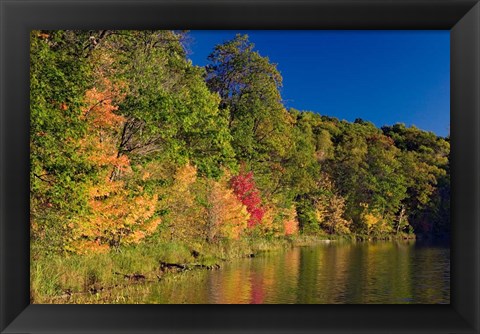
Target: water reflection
333,273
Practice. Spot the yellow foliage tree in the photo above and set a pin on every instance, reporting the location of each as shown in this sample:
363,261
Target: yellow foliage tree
226,216
329,213
186,218
374,223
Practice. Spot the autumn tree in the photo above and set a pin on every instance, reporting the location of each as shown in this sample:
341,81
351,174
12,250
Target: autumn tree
330,208
116,215
227,216
186,217
246,191
290,222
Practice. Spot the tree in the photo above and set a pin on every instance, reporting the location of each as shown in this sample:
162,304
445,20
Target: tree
246,191
330,208
185,216
248,86
59,77
227,217
290,222
115,215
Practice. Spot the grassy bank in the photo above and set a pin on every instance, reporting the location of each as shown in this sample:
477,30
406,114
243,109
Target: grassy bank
58,277
89,278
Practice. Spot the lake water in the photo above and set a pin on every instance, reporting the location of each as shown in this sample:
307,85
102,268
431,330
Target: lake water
329,273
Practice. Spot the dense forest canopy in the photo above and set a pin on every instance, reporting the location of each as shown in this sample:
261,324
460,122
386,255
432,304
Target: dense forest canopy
131,143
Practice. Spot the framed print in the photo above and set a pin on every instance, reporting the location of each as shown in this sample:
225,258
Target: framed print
136,171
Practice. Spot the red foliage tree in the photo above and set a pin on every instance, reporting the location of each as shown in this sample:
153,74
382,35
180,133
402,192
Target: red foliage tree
246,191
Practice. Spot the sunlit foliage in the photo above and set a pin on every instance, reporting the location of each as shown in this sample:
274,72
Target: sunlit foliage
227,215
131,143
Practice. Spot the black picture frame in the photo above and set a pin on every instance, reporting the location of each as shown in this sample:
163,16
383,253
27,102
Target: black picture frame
18,17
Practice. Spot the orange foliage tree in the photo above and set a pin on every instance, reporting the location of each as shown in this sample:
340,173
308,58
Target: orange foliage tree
115,216
290,222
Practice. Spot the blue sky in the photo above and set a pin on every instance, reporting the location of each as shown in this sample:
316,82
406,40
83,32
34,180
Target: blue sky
384,77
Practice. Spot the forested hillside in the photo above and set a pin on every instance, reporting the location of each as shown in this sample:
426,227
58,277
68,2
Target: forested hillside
131,143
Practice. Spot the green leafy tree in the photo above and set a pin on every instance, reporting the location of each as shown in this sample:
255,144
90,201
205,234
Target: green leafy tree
59,77
248,85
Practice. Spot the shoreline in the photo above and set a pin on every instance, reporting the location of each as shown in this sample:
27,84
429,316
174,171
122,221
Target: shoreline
57,278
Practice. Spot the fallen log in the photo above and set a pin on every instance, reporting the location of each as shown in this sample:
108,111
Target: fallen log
165,265
132,277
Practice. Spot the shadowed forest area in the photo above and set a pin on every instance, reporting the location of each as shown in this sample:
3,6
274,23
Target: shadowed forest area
139,158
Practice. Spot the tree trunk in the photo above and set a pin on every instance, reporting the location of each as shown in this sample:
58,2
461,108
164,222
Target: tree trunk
400,218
